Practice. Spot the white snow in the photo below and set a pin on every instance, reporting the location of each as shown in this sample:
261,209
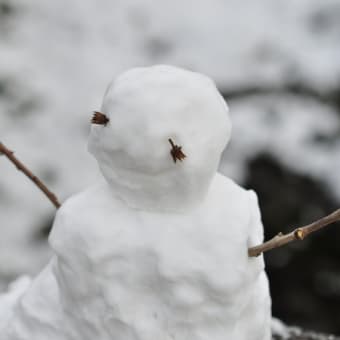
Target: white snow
146,108
280,329
123,270
9,299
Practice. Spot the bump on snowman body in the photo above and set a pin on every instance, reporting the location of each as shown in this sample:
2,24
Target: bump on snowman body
158,250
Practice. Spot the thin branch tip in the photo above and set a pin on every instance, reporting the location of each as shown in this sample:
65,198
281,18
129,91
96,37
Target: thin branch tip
297,234
99,118
176,151
21,167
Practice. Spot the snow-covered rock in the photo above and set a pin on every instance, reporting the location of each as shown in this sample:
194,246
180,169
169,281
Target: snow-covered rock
159,250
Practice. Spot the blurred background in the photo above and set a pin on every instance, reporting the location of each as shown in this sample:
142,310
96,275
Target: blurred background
277,63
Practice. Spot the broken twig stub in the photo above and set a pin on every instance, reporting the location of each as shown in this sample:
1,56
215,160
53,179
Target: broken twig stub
297,234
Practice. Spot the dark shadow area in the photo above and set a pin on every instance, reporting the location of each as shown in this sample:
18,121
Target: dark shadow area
304,276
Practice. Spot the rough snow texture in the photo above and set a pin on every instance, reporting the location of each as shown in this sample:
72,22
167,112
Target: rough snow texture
130,274
9,299
146,107
123,272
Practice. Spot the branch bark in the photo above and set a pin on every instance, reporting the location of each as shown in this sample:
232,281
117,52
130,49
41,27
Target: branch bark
21,167
297,234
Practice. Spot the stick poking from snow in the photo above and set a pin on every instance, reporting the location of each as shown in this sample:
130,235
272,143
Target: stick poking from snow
21,167
297,234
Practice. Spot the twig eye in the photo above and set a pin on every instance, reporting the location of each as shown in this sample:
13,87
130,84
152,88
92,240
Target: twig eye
176,151
99,118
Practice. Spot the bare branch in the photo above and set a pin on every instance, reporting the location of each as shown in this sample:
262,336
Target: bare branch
21,167
297,234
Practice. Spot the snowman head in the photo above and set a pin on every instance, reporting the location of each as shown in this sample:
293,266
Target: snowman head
159,136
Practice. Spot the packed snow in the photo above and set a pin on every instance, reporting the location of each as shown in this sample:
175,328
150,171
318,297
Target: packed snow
147,107
174,268
9,299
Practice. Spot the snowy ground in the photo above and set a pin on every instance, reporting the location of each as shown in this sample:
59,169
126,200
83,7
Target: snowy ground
277,61
281,331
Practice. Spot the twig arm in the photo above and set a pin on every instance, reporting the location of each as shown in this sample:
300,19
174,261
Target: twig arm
297,234
21,167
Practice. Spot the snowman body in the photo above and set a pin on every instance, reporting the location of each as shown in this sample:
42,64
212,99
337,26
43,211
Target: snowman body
158,250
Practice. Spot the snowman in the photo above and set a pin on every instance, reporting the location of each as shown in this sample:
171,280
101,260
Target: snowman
157,250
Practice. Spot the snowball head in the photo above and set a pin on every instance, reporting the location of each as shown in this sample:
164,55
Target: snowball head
146,107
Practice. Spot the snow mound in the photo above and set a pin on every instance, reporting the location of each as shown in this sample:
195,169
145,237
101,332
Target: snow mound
147,107
9,299
122,273
138,274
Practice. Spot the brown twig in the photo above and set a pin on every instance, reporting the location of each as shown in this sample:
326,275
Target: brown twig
176,151
21,167
297,234
99,118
